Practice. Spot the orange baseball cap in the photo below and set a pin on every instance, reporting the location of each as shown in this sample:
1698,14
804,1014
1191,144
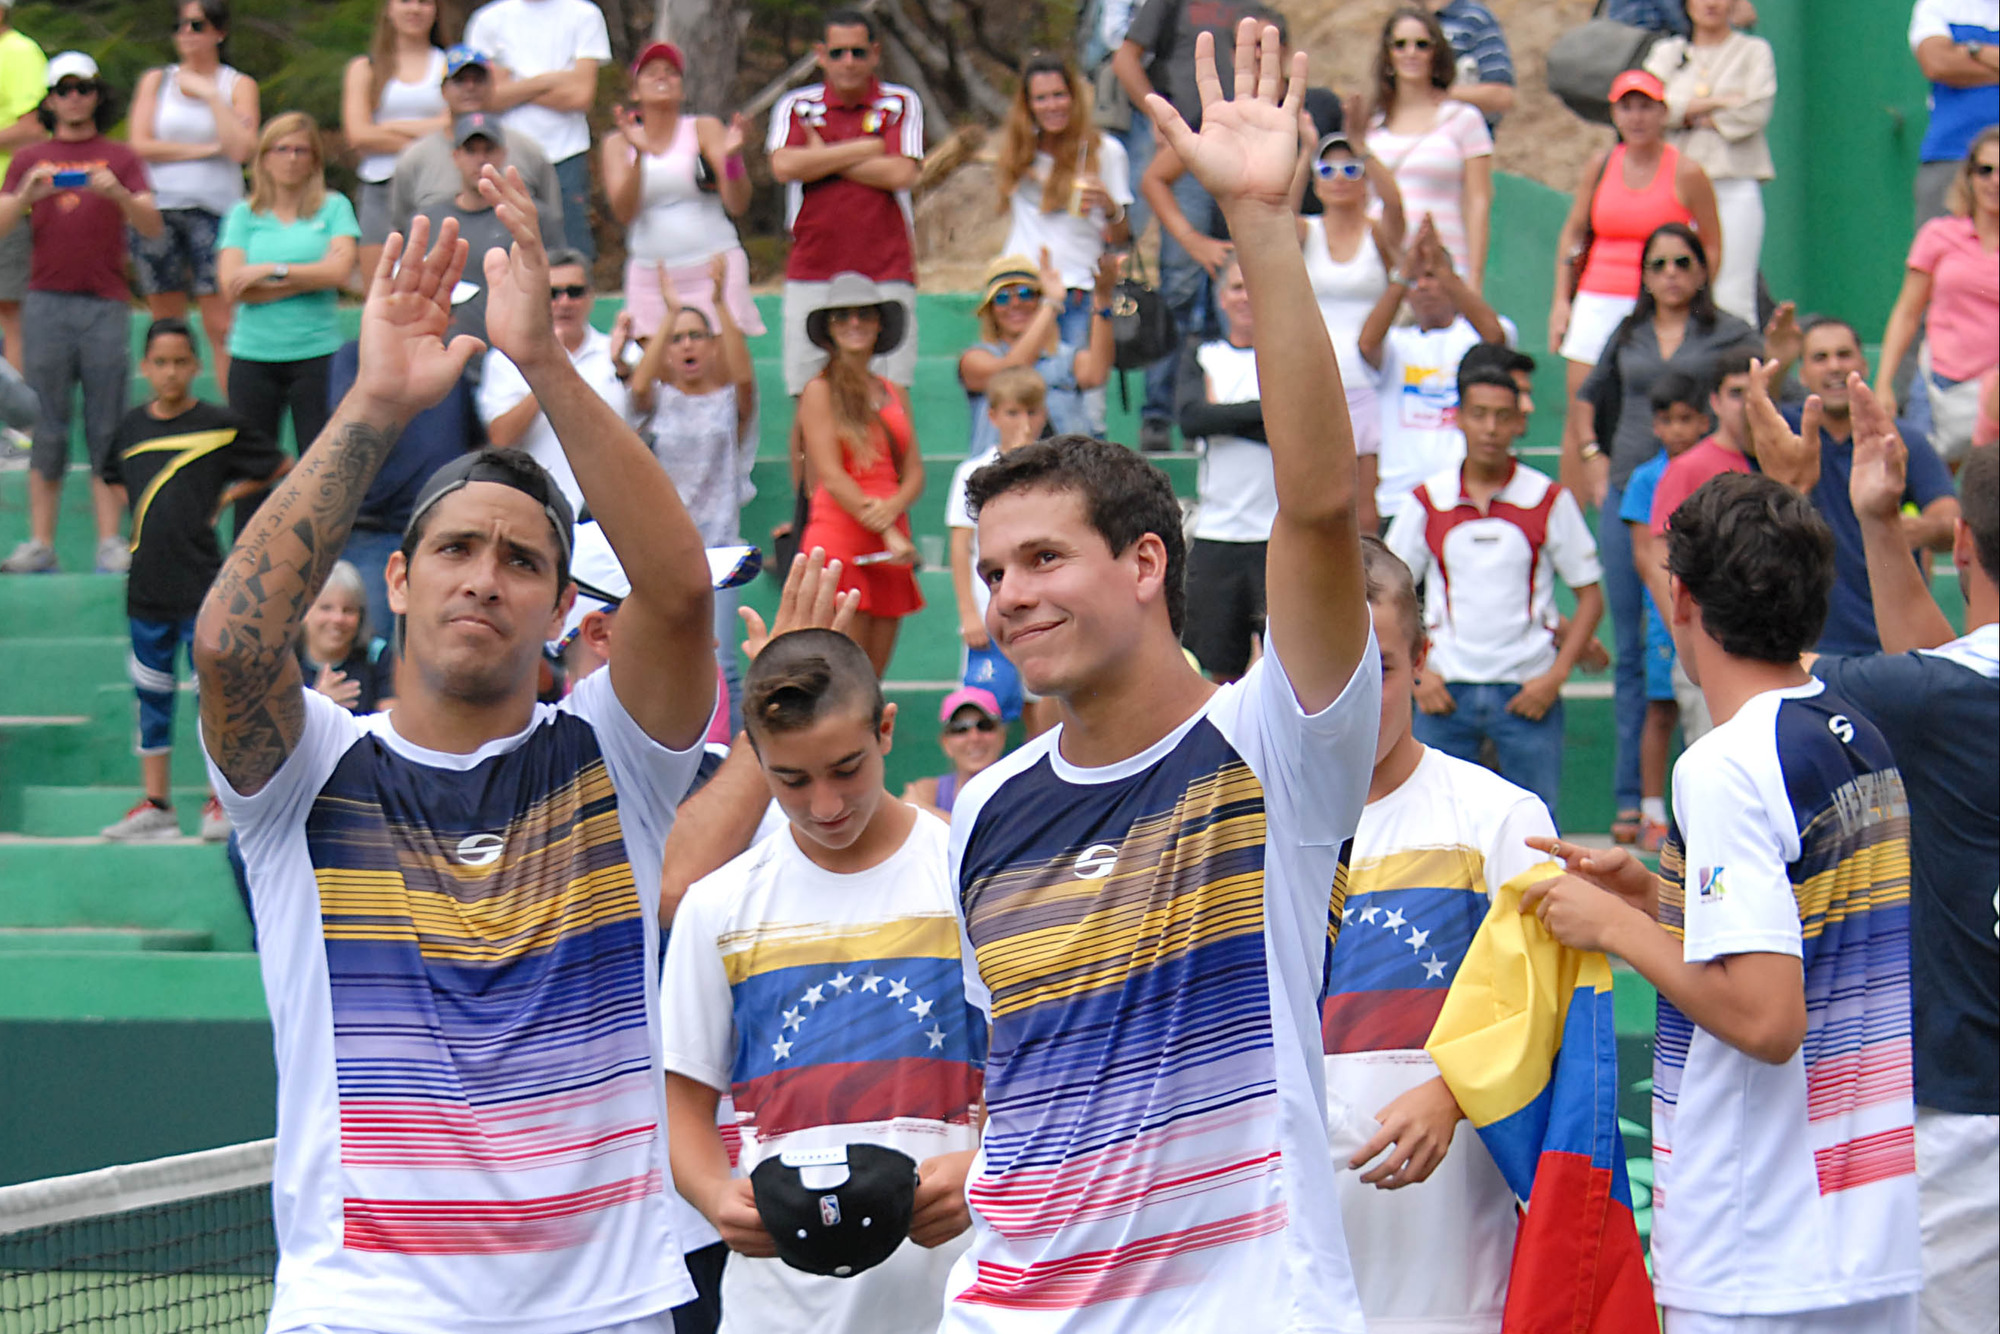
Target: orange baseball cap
1638,81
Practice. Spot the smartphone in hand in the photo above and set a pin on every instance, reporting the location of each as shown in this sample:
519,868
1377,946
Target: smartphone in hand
70,180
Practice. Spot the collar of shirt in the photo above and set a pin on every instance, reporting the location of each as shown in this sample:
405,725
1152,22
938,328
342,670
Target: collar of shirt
867,98
1462,499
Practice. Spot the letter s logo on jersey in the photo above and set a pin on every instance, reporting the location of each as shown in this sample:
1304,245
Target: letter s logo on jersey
1096,861
480,849
1841,726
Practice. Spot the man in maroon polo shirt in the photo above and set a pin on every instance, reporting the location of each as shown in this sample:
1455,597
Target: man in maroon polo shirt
848,151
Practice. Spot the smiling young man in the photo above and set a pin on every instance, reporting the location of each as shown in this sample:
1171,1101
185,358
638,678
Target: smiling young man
460,965
816,980
1146,890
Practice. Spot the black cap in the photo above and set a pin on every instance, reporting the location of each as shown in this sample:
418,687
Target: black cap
476,125
509,467
838,1211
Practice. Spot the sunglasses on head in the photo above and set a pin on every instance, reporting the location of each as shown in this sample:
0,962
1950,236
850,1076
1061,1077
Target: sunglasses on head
1022,293
959,727
191,25
1339,171
575,291
1659,263
1410,44
846,53
74,88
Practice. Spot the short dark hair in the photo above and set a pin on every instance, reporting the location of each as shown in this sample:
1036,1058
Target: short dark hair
104,116
851,18
1483,373
803,675
1678,387
1730,363
1507,359
1390,583
1814,323
1124,498
169,327
1758,560
1979,504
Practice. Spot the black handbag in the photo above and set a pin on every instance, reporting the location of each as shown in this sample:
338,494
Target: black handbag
1141,325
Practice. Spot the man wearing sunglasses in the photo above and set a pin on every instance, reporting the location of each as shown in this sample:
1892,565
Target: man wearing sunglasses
78,192
514,420
848,151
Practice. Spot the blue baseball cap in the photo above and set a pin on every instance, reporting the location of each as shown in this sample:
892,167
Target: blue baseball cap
458,57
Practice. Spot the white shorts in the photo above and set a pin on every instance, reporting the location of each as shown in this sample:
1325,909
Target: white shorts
1364,411
1593,318
803,359
1958,1180
1890,1315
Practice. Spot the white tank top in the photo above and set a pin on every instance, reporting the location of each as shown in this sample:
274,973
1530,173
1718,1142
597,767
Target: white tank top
677,225
211,183
404,101
1346,293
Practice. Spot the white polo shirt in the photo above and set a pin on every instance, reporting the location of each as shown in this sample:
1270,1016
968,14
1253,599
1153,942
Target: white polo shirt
501,388
1489,576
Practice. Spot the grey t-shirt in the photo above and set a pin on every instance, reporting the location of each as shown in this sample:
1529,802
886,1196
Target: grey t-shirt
483,231
1166,29
426,177
1639,364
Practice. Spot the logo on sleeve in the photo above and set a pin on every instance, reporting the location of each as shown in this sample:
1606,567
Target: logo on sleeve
1842,727
1708,884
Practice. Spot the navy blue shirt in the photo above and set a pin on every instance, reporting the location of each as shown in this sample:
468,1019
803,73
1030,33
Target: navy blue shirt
1940,711
433,438
1850,613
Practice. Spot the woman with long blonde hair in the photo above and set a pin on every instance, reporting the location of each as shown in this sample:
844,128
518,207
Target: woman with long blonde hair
389,99
862,460
283,254
1065,183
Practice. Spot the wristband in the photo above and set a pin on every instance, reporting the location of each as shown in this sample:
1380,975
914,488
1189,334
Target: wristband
1104,312
733,168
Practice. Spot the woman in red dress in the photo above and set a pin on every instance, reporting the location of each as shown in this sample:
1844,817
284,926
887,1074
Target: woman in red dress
861,454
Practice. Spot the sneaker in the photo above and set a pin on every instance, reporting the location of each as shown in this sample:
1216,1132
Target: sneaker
214,822
145,822
31,557
113,555
15,449
1156,435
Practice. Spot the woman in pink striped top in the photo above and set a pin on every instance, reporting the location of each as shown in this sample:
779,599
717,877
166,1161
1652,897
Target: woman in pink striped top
1438,148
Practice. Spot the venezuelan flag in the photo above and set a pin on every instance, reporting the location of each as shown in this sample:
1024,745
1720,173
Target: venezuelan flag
1526,1044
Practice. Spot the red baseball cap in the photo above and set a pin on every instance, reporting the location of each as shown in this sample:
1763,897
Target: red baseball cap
666,51
1638,81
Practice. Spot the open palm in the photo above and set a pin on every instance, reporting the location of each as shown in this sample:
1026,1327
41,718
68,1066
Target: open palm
518,320
405,363
1248,146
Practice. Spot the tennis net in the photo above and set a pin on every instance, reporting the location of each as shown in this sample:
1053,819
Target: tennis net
181,1245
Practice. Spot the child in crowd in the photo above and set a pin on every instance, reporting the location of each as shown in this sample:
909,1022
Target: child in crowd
1680,419
1488,538
180,461
974,736
816,979
1778,936
1017,405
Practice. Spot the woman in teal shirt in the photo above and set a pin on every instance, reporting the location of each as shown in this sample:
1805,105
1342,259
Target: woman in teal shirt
282,257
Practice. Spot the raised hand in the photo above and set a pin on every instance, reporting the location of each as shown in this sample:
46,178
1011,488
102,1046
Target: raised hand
1880,474
1783,339
718,274
518,322
405,365
734,137
812,600
1789,456
1247,151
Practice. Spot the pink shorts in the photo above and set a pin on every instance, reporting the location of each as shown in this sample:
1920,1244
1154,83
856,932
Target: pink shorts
693,287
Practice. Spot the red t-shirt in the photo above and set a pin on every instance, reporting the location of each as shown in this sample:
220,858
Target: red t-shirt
79,234
1684,476
843,226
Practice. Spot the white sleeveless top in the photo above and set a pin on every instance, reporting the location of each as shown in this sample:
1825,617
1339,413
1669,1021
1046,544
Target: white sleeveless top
211,183
404,101
1346,293
677,225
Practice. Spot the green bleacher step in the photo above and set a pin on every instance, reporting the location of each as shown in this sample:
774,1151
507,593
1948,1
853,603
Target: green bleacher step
140,985
80,812
100,940
60,675
62,605
183,885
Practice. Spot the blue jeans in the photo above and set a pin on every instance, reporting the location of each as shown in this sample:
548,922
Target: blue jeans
1185,287
1138,141
1073,327
1531,750
155,647
573,175
1625,598
368,551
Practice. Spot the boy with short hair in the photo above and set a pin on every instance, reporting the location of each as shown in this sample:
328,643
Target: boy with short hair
180,461
816,979
1778,936
1488,538
1680,418
1017,405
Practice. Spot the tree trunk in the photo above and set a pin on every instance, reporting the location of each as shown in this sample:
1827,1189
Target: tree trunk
710,36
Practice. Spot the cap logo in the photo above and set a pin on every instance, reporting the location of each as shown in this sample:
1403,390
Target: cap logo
829,1210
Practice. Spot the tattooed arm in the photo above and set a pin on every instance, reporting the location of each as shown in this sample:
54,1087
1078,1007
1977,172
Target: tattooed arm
252,697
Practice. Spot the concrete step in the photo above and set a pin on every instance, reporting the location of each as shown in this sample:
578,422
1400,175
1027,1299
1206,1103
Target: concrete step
149,985
80,812
99,940
182,885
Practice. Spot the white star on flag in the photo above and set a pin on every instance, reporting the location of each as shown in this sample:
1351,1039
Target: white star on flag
1395,921
869,981
936,1035
1434,969
840,983
1346,913
1416,938
781,1049
922,1009
1368,913
814,996
793,1018
897,990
